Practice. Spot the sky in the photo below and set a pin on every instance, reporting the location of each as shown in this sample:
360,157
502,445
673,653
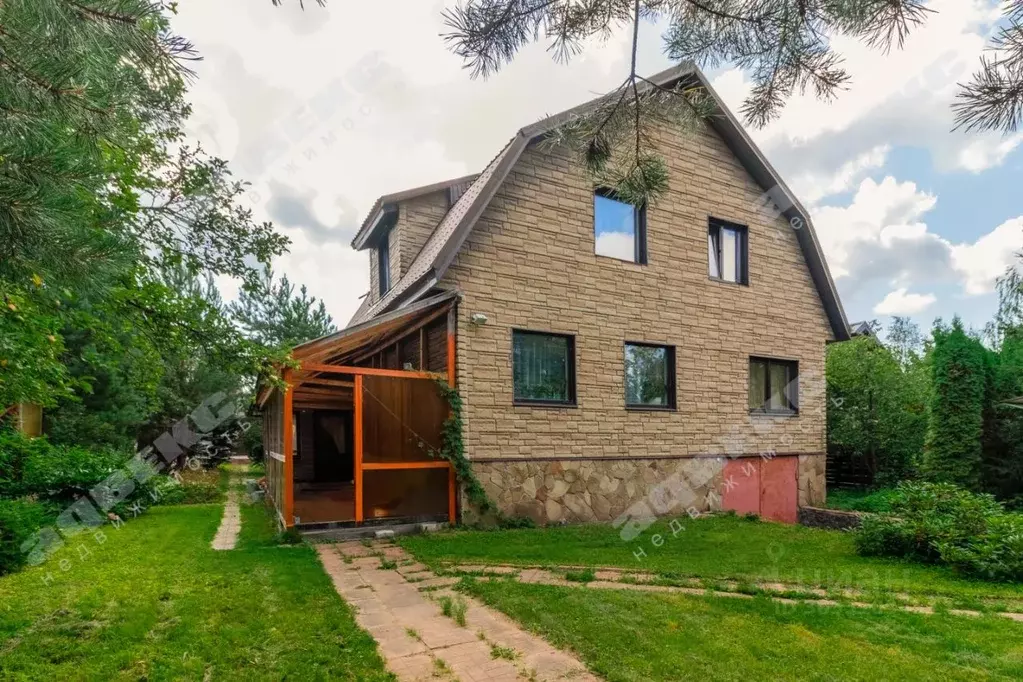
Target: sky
326,109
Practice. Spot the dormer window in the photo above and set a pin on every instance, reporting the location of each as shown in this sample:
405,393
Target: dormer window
384,263
619,228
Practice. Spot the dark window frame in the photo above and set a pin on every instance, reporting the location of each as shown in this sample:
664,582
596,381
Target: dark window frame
384,263
571,363
714,227
793,367
672,388
639,223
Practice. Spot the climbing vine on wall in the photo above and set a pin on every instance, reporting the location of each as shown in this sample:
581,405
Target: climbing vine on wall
453,450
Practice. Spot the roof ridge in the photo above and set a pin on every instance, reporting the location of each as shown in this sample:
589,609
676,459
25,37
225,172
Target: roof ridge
447,238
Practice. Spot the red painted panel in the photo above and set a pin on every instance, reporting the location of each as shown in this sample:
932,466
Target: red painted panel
742,485
779,499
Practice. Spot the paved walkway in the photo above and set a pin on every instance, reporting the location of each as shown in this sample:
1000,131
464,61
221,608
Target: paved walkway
400,602
230,524
619,579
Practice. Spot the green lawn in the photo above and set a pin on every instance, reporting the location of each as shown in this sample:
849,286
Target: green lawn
156,603
719,547
626,636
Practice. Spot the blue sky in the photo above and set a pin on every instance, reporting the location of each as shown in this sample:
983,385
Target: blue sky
324,110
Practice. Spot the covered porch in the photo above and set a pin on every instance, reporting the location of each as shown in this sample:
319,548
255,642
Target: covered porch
355,436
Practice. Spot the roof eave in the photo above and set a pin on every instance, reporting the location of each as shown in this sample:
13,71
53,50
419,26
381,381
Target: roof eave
387,213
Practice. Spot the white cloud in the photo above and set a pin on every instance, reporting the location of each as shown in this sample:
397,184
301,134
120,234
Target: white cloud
902,97
812,187
883,235
982,262
899,302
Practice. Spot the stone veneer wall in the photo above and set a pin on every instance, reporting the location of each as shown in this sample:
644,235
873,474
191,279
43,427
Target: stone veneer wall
579,490
583,490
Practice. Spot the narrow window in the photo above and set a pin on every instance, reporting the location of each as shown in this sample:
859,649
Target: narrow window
543,368
727,251
649,376
619,229
384,263
773,386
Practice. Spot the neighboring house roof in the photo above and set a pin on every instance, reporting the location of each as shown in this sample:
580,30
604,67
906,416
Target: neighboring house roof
388,203
861,329
449,235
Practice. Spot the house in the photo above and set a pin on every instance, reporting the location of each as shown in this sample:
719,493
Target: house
612,360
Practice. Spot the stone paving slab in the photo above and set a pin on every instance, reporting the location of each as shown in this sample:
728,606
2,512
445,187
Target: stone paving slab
419,643
230,524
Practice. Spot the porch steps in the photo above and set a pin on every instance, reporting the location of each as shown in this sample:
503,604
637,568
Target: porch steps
373,532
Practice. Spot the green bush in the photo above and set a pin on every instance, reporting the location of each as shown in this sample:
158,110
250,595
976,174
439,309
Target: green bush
57,473
942,523
925,516
190,487
996,554
19,519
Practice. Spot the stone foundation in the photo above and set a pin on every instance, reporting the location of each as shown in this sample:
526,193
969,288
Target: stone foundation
587,490
834,519
813,487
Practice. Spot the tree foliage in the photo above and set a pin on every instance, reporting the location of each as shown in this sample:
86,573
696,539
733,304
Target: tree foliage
953,451
271,313
877,406
112,224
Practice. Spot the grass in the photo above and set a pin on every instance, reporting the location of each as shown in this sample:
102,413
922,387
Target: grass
858,499
587,575
629,636
715,548
454,608
154,602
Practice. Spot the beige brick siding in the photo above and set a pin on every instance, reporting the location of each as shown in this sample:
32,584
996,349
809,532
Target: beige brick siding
529,263
416,219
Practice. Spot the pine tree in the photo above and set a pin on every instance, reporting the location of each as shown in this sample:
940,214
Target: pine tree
272,314
785,46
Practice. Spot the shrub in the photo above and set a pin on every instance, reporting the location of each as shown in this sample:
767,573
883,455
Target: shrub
924,517
193,487
996,554
57,473
19,519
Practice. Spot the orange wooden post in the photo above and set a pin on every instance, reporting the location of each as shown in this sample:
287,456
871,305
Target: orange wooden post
452,479
289,454
358,448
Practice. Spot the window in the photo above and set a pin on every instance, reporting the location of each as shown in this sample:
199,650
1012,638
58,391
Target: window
543,368
727,251
619,229
384,263
773,386
649,376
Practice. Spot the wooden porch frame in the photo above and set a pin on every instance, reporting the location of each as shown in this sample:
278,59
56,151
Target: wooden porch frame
293,382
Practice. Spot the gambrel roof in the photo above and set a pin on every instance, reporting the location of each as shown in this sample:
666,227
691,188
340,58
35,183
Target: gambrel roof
447,238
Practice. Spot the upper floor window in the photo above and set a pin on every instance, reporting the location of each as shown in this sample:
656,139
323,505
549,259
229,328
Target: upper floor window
728,251
543,367
384,263
619,229
773,386
649,376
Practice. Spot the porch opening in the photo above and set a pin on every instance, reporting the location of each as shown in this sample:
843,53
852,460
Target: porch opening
355,438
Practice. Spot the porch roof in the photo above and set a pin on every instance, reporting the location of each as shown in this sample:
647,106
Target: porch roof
348,345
